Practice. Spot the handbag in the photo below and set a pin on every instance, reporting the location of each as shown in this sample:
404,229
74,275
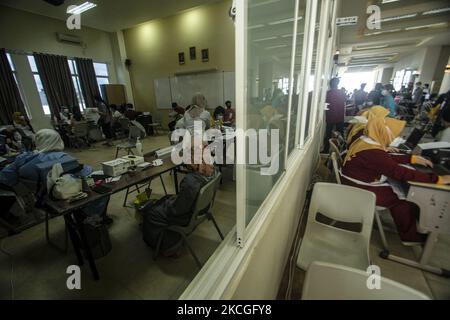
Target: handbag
66,187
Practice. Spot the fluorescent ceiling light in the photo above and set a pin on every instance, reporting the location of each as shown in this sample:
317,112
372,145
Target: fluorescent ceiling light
256,26
434,25
373,47
265,39
82,8
381,32
406,16
284,21
276,47
290,35
436,11
263,3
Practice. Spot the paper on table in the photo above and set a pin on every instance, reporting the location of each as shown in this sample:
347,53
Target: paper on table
144,165
435,145
97,173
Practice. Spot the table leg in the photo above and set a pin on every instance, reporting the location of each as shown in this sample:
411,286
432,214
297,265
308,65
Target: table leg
175,180
428,248
70,225
87,248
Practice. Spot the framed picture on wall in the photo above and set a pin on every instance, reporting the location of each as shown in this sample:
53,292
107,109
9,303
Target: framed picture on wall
205,55
181,58
192,53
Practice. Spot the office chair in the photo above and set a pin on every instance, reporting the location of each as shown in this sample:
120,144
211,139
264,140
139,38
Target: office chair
201,213
134,134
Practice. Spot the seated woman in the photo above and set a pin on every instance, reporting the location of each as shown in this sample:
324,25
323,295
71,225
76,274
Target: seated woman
49,147
191,116
355,131
175,209
368,165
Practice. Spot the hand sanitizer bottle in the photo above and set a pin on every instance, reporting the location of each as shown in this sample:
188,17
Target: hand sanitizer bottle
138,147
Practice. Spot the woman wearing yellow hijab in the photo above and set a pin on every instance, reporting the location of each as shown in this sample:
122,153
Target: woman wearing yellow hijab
357,130
368,165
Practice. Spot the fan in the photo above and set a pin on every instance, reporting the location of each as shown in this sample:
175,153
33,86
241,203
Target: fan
55,2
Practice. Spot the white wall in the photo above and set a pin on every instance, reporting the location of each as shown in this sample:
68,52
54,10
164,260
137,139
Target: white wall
27,32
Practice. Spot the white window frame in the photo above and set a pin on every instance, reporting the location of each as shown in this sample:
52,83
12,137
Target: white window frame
19,86
77,83
214,279
101,76
34,73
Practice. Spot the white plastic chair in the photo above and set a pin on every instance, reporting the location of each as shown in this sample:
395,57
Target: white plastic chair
336,168
326,281
328,243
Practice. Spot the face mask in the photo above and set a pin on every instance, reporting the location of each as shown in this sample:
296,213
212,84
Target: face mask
384,92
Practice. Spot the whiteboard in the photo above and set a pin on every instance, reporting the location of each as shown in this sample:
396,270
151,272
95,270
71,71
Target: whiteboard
163,95
217,87
229,87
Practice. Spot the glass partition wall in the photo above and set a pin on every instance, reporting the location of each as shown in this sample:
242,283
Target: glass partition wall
280,50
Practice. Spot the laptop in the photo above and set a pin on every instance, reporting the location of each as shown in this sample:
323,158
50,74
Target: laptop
413,140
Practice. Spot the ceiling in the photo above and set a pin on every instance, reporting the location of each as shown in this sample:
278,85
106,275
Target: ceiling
407,25
109,15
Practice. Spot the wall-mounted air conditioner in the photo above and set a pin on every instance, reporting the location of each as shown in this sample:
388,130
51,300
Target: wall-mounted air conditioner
68,38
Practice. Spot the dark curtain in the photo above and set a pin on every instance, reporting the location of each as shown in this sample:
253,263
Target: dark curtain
88,80
10,99
57,82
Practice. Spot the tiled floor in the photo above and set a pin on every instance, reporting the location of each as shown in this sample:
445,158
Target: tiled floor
128,271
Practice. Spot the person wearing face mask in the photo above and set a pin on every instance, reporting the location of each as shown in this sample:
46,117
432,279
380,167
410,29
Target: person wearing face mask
369,165
388,101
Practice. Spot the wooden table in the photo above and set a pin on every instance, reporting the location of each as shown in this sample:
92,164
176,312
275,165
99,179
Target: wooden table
72,210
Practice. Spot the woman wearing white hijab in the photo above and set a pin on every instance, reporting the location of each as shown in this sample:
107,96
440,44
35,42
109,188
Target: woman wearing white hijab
196,112
49,147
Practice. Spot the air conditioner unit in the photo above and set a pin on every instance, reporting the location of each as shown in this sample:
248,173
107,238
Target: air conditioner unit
68,38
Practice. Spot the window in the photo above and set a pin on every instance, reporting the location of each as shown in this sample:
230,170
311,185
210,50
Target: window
274,43
101,71
76,83
13,69
39,86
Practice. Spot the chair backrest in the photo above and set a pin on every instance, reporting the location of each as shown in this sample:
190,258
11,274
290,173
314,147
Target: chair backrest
81,129
334,147
205,198
124,123
327,281
343,203
336,167
135,133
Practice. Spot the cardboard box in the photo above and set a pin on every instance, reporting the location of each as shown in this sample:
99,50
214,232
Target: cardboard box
115,167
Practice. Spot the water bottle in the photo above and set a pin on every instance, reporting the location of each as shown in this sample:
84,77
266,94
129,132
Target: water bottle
138,147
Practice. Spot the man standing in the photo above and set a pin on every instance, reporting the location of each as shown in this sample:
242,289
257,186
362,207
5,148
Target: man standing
417,94
336,112
229,116
360,97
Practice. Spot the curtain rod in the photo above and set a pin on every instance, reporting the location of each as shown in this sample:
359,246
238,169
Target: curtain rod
30,53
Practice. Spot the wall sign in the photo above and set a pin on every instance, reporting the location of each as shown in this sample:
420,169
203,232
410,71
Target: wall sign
347,21
205,55
181,58
192,53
